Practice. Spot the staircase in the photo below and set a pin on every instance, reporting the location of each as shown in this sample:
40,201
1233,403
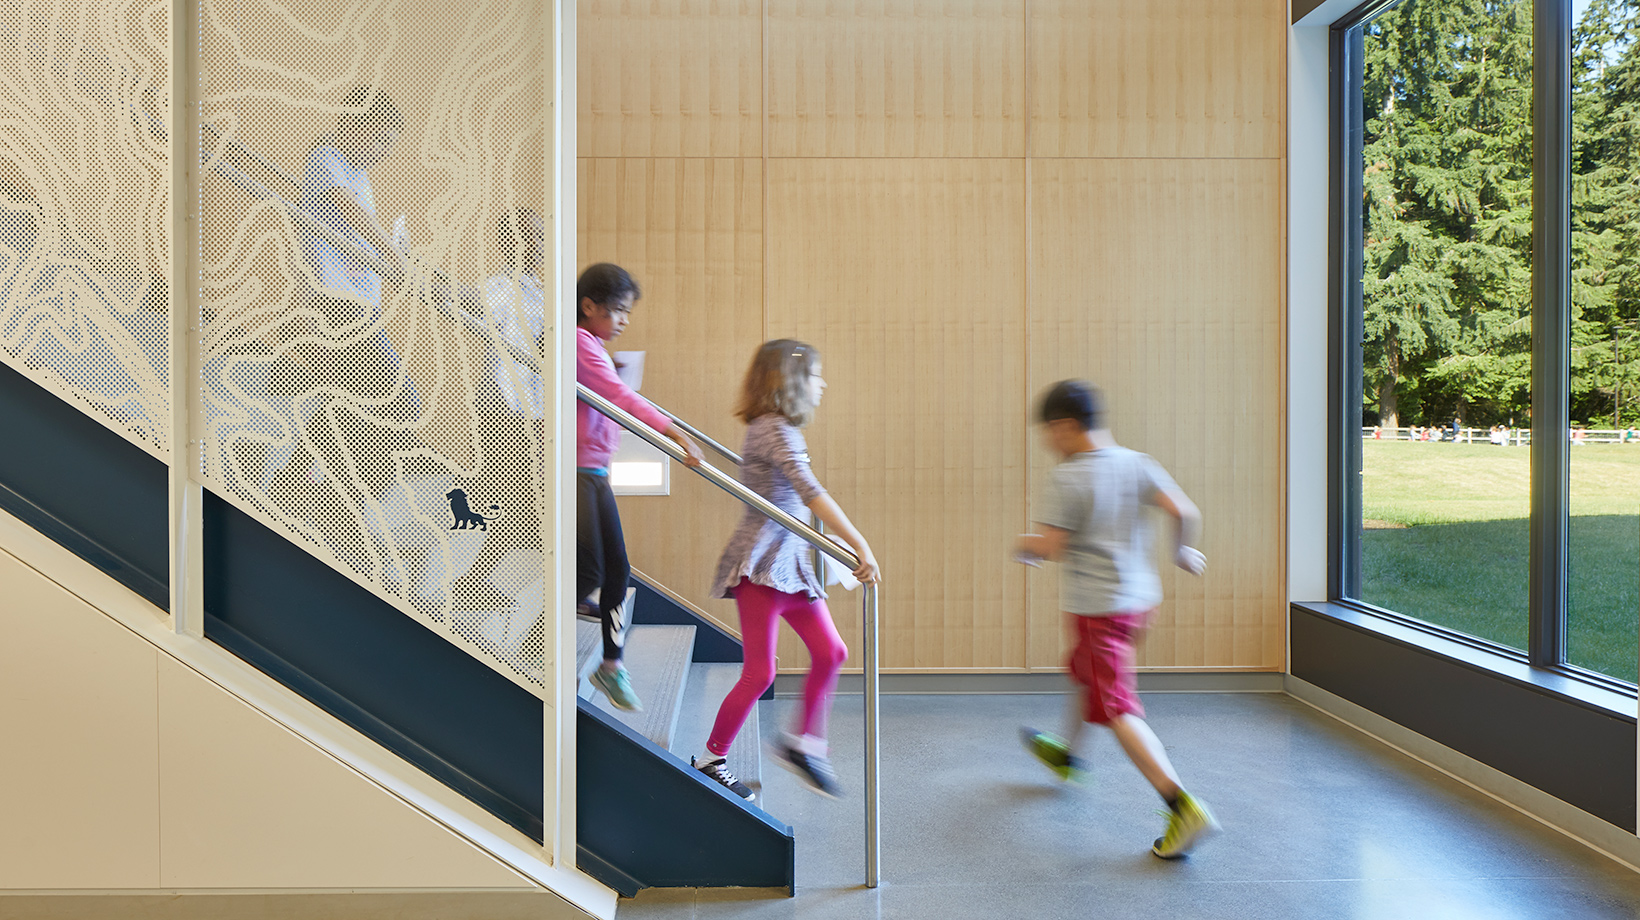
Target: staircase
673,687
642,807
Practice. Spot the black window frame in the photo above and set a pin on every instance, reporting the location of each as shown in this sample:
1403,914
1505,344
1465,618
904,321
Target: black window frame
1547,587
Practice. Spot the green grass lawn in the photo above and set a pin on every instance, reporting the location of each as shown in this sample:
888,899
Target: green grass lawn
1447,537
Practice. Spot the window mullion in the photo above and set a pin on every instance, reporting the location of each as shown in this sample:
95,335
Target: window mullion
1551,328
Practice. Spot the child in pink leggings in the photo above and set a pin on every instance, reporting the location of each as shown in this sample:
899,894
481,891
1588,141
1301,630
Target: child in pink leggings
770,573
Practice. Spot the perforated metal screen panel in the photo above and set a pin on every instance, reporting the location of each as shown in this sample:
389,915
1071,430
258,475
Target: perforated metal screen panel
85,207
371,252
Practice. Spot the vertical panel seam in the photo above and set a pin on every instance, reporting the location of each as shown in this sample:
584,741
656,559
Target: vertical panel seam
763,295
1025,324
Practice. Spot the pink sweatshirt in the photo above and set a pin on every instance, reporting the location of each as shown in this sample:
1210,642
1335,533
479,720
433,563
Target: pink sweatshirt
596,436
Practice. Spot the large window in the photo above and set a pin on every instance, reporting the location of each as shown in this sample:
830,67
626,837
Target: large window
1457,323
1604,399
1445,309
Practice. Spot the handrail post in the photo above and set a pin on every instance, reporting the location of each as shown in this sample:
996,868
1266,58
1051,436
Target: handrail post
874,809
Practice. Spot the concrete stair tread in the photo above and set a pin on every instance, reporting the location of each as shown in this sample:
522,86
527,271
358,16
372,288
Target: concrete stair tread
709,683
657,658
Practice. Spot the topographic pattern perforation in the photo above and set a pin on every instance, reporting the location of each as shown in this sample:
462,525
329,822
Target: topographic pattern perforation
372,311
85,207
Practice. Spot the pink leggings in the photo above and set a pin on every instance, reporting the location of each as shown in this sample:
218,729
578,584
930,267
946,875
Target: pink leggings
761,609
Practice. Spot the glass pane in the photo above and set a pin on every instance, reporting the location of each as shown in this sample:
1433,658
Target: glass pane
1602,632
1446,292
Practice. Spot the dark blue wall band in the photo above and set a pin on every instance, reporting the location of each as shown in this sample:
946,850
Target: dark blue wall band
90,490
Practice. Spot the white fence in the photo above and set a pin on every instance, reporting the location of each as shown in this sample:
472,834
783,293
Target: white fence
1509,437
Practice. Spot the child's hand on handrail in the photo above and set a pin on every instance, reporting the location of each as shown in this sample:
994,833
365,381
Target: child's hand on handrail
867,573
692,453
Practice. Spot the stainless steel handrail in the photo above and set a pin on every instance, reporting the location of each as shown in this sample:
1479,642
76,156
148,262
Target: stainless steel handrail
822,544
718,478
698,435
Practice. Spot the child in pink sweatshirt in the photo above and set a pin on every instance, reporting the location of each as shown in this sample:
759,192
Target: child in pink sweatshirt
604,296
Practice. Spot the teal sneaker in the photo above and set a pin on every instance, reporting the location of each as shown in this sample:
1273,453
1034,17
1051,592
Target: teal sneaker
1188,822
1054,754
617,685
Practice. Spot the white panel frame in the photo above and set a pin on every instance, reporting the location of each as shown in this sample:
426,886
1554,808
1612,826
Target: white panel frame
1308,189
186,495
559,750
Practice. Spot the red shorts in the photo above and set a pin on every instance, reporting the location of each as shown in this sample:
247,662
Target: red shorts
1102,661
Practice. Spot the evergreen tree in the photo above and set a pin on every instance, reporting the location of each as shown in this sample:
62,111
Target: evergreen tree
1606,211
1447,189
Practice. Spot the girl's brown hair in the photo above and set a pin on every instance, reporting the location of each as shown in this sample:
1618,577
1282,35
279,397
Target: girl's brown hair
778,381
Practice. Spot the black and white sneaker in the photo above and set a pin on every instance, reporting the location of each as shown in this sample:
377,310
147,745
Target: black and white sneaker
718,771
815,771
622,618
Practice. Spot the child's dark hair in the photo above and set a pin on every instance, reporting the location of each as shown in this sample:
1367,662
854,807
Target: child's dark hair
604,284
367,108
1076,400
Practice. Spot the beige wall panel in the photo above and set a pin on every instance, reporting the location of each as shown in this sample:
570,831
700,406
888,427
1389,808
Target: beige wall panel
896,78
247,804
691,232
908,275
669,78
79,779
1160,280
1169,78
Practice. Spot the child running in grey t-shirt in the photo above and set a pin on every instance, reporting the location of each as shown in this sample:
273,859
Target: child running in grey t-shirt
1094,521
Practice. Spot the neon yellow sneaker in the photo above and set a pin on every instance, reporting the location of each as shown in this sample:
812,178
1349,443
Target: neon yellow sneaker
1053,753
1188,821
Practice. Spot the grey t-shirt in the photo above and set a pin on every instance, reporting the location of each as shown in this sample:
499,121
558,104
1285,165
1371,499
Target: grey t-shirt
1100,497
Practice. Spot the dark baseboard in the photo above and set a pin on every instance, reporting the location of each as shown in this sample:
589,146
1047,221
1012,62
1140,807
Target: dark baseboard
1515,721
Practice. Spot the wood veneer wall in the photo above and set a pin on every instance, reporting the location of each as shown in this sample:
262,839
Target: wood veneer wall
959,202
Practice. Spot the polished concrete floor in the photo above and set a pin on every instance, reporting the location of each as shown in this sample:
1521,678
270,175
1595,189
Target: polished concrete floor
1320,822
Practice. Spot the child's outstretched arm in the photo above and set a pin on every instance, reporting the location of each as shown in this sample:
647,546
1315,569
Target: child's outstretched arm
1047,543
827,510
1187,523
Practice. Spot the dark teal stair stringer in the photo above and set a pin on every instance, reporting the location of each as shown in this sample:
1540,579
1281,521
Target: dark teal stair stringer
645,812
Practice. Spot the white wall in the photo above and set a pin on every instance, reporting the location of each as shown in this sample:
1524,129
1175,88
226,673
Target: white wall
1307,230
124,769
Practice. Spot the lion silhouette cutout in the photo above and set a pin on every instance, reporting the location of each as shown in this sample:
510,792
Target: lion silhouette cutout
466,518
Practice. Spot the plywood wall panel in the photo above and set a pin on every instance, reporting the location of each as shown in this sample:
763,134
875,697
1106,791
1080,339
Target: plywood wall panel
900,139
896,78
691,232
1160,281
1164,78
908,275
668,78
